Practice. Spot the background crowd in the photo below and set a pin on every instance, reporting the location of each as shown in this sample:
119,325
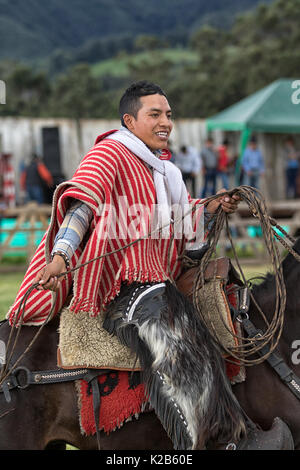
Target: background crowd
204,171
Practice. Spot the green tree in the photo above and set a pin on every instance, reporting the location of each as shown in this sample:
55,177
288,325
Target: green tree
261,46
77,94
149,42
27,91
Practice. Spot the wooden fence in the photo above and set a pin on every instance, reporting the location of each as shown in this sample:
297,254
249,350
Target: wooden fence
33,218
246,231
29,220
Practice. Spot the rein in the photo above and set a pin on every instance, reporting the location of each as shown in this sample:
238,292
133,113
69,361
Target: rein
285,373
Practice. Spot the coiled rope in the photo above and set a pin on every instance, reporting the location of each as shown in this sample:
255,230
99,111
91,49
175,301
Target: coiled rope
273,328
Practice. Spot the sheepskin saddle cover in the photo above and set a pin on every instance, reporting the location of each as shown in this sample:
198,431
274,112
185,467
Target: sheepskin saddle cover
83,342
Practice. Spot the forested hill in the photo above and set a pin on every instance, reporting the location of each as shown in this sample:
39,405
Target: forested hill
216,67
30,29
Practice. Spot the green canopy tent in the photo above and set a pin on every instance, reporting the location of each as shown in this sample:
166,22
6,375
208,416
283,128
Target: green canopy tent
274,108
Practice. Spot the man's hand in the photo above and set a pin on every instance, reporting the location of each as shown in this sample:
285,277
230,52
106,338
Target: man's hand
229,203
47,277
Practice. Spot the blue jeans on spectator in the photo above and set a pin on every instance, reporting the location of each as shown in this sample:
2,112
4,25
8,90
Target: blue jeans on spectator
210,180
253,179
224,178
35,193
291,182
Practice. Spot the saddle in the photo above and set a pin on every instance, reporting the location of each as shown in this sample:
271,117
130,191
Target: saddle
84,343
219,268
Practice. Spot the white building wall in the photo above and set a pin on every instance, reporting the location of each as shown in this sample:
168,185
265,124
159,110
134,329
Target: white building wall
23,136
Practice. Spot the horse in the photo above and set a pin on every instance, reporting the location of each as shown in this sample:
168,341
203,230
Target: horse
45,416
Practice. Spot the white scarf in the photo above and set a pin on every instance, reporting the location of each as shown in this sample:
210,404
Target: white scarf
169,185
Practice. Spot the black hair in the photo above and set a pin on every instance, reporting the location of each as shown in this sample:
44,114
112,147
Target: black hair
130,102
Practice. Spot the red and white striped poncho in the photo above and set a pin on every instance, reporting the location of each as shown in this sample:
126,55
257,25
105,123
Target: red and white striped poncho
107,172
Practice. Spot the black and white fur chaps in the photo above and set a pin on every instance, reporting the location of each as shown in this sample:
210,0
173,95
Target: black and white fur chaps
183,369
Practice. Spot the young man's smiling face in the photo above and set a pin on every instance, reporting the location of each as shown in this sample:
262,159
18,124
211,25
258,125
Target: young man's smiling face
153,123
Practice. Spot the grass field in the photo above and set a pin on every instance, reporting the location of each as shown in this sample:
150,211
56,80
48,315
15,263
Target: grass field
10,282
9,285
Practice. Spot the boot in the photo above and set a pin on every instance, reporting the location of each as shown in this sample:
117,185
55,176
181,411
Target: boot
278,437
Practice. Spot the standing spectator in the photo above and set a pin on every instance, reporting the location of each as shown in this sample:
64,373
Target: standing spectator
33,179
189,163
210,162
223,164
252,164
291,158
7,181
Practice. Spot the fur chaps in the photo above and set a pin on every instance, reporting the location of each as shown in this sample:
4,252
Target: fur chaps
183,369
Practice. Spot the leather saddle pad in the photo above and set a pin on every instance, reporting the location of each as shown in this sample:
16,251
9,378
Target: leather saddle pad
213,302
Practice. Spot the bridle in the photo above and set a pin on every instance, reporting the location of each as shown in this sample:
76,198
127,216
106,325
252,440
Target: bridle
278,364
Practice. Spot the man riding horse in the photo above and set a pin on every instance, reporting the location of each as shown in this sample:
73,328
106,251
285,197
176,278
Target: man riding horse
128,173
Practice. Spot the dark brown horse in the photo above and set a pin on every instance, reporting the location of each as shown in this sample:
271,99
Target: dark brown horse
46,416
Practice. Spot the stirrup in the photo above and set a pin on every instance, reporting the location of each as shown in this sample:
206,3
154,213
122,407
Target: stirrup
278,437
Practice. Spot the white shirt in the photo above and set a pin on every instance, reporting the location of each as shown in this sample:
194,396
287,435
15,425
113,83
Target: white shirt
189,162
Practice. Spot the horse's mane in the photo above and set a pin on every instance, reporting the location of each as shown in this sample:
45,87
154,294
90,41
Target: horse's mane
289,263
262,284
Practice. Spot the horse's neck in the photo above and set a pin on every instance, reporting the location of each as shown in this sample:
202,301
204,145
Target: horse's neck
266,304
261,306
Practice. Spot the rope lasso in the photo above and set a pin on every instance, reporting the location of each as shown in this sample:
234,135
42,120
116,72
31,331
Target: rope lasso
271,336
